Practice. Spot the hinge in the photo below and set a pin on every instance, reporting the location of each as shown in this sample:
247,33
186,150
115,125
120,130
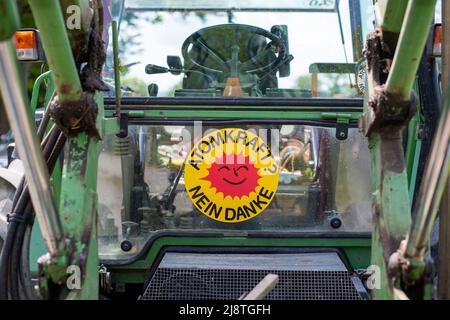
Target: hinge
123,125
124,119
342,123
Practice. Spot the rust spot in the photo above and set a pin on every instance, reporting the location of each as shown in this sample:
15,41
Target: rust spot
66,88
75,117
390,113
391,149
389,243
379,57
77,161
80,116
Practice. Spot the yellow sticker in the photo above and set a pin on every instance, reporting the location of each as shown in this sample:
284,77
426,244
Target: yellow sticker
231,175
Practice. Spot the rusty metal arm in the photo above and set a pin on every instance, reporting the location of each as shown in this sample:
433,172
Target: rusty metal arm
393,55
418,19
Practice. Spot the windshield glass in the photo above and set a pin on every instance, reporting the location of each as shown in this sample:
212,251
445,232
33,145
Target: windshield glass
289,178
240,49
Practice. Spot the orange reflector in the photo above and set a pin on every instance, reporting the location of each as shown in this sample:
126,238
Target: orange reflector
26,45
26,40
437,41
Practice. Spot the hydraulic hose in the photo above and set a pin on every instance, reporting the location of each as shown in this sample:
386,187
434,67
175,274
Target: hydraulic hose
17,273
10,274
49,145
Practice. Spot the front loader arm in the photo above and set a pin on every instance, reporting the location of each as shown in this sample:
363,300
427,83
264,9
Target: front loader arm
75,57
76,111
393,55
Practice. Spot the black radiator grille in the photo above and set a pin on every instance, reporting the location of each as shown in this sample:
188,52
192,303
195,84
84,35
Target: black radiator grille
231,284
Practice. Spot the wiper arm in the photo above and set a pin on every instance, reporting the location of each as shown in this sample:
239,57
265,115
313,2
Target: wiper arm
169,195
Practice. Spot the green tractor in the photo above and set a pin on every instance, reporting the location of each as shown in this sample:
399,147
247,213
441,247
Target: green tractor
224,150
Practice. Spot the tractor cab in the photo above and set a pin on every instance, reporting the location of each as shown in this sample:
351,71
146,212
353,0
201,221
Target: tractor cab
240,152
222,150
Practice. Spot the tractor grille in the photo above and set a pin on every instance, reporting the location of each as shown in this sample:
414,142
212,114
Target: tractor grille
320,276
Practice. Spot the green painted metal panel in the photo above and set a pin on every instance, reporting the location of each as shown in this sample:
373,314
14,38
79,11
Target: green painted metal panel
249,242
340,68
391,205
356,250
78,206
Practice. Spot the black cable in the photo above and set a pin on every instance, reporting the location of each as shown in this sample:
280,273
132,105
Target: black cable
51,152
54,155
18,192
22,209
16,254
47,142
22,199
43,125
24,267
40,132
4,260
17,273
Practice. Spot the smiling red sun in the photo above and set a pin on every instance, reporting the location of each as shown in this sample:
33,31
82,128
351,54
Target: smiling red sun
233,175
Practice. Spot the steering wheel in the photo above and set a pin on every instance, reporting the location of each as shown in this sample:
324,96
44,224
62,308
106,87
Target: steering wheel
222,44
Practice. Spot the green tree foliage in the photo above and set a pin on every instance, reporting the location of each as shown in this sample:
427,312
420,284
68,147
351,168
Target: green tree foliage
304,82
330,85
136,85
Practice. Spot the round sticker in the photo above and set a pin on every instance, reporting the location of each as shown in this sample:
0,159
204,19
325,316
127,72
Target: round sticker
231,175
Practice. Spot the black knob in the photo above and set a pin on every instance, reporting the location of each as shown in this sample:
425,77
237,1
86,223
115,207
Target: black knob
126,245
336,223
153,69
153,89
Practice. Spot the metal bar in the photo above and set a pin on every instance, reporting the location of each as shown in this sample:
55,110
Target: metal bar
357,30
432,187
36,172
413,37
314,85
443,263
49,20
389,14
278,103
36,90
116,66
